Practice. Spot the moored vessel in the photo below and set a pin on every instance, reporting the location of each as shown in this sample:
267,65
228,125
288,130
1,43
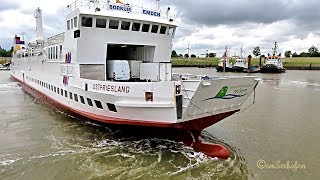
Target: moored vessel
112,64
274,63
240,63
224,64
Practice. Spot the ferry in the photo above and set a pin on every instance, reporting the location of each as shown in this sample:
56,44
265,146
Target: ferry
274,63
112,65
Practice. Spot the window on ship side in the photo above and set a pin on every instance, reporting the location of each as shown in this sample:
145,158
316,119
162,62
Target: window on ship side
89,102
82,100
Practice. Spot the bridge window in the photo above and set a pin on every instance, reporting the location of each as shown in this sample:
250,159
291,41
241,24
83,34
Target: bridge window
50,52
75,20
113,24
101,23
136,26
60,52
125,25
171,31
86,22
71,23
145,27
68,24
56,52
154,28
163,30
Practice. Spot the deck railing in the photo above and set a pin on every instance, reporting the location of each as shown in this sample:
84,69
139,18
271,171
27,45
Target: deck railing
56,39
106,5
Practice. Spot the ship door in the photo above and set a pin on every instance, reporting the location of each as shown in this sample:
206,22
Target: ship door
23,77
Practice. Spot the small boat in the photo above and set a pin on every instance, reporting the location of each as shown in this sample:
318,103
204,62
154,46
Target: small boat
224,64
274,63
240,64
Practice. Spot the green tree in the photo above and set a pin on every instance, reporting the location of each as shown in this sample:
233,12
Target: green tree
174,54
304,54
256,51
193,56
295,54
186,55
5,53
287,53
181,55
314,51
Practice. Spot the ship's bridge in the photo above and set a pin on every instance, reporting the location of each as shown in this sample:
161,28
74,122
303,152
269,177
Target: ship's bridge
94,28
98,31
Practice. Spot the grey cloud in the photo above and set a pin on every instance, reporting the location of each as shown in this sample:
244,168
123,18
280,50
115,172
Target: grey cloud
216,12
55,21
7,5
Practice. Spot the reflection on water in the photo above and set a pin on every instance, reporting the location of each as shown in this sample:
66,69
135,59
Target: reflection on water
39,142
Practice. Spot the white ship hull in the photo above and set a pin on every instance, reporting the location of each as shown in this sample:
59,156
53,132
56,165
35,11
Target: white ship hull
129,97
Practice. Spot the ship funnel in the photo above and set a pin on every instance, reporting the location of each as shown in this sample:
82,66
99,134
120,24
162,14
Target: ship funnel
38,16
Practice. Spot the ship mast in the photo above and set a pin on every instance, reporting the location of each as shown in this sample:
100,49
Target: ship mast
224,59
275,48
38,16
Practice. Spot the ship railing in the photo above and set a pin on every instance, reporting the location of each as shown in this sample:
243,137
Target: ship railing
105,5
30,52
56,39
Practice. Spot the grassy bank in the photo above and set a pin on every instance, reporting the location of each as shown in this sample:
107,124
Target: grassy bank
289,63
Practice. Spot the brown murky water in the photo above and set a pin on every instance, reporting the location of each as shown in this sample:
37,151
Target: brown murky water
276,138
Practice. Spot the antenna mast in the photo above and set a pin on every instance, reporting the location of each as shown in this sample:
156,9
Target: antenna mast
224,59
158,4
241,52
275,48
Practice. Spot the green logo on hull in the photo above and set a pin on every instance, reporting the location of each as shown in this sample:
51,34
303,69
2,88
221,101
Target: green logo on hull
222,92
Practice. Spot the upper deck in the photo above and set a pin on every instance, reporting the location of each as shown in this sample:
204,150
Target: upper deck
121,10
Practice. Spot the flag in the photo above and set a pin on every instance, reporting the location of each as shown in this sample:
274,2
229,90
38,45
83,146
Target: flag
118,1
18,41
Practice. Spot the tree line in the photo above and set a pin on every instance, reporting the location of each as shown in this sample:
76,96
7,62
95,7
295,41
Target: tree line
5,53
312,52
174,54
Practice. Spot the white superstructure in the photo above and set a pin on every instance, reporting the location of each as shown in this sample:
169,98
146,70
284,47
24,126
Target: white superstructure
70,70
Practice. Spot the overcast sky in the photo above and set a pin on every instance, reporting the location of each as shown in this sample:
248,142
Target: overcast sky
206,24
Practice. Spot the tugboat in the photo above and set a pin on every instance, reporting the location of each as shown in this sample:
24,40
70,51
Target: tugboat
224,64
240,64
112,64
274,63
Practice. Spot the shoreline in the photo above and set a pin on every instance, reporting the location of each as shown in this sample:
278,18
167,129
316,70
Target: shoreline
316,68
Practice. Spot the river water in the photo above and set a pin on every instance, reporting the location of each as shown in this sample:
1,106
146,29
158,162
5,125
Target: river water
276,138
